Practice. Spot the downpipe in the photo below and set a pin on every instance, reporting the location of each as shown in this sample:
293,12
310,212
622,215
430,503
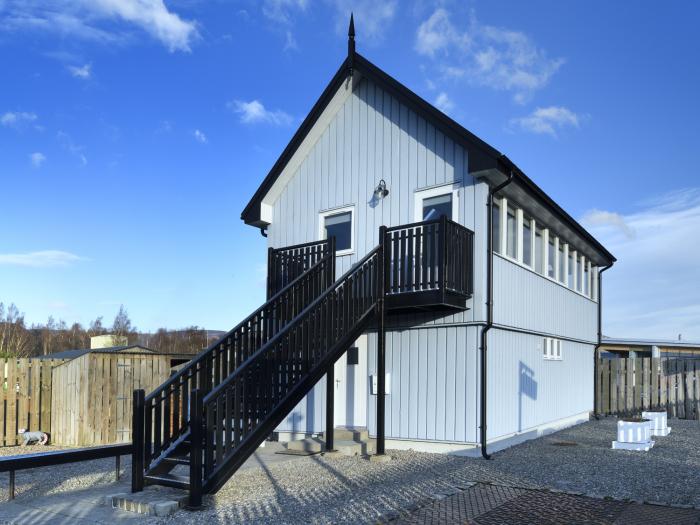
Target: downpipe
489,313
600,340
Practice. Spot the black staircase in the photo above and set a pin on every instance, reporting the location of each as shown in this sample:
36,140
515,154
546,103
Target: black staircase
214,413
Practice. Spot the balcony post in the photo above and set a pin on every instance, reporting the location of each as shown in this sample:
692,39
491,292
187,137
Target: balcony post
381,341
443,256
196,437
138,441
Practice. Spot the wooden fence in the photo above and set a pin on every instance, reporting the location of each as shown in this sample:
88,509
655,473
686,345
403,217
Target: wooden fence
628,386
25,396
92,395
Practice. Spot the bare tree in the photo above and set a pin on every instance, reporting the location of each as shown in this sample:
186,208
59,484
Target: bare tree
122,324
15,339
96,328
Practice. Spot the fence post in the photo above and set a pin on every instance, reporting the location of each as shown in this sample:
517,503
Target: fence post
196,435
137,439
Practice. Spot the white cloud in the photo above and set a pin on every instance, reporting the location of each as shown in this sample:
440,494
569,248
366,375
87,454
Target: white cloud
83,72
199,136
37,159
254,112
601,218
41,259
82,19
74,149
443,102
653,291
17,119
282,11
547,120
495,57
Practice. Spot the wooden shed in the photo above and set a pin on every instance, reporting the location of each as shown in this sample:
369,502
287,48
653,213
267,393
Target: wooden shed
91,395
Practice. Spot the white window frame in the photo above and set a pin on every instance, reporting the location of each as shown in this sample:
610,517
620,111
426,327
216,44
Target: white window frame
520,217
337,211
552,349
436,191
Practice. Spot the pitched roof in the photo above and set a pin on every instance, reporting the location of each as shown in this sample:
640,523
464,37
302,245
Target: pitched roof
482,156
74,353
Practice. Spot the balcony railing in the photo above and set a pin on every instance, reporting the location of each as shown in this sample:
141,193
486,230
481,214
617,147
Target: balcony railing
429,263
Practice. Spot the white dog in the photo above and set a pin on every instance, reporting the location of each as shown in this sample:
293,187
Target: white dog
34,437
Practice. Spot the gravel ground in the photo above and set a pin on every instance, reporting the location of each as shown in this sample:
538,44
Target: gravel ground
61,478
325,489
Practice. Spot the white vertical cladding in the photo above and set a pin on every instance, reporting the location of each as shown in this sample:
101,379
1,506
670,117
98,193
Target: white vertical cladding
433,384
525,390
374,137
524,299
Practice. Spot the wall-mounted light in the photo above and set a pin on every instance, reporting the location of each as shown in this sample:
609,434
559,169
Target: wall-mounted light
380,192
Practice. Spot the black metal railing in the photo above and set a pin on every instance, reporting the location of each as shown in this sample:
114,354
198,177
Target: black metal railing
60,457
166,416
239,413
286,264
430,255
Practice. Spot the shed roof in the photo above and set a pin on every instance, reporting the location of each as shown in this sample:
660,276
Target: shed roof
72,354
650,342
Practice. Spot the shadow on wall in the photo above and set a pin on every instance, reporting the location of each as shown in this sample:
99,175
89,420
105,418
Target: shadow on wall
527,386
297,421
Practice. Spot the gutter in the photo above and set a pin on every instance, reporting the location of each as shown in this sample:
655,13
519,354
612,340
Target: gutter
489,313
600,339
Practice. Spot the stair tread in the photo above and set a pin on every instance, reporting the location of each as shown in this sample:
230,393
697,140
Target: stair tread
171,480
178,460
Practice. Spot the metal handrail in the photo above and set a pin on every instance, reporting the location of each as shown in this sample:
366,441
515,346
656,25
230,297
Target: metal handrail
299,318
194,362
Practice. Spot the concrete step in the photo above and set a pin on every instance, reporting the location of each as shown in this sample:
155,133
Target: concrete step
152,501
349,434
314,445
355,448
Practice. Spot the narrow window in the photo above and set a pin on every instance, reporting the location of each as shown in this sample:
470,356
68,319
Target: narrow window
586,282
571,268
339,225
579,273
511,246
496,226
527,241
562,263
539,255
436,207
551,260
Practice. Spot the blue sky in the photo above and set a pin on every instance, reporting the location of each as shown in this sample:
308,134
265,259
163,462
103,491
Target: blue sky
133,132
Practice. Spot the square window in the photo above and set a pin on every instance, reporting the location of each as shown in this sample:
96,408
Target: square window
338,225
436,207
353,356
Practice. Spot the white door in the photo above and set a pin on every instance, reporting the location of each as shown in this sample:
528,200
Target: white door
350,397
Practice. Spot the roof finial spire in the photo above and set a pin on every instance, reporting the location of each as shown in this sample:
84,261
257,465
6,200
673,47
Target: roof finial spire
351,42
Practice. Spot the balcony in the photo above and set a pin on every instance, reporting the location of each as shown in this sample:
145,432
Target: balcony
430,266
